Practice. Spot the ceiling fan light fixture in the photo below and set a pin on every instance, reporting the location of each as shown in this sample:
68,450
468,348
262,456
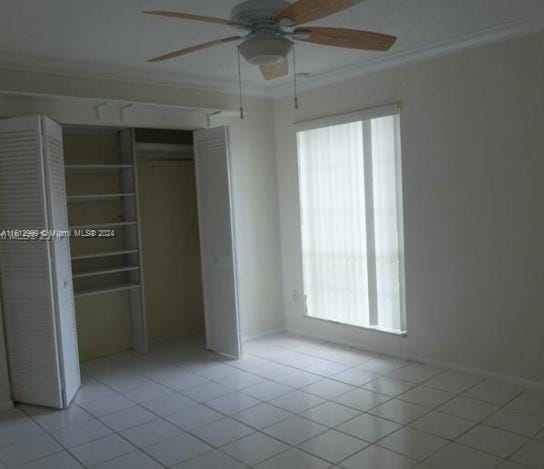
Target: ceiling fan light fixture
265,50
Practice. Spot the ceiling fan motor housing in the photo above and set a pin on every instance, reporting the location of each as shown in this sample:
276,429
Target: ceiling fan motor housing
266,43
258,12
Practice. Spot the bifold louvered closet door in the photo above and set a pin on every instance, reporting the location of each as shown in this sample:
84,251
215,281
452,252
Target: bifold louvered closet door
215,220
36,280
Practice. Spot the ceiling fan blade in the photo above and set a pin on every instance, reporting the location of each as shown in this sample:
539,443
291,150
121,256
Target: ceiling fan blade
187,16
188,50
271,72
304,11
348,38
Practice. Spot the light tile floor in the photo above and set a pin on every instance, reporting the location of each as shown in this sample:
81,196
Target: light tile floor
289,403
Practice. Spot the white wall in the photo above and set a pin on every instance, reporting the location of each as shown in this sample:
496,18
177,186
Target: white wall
473,174
256,220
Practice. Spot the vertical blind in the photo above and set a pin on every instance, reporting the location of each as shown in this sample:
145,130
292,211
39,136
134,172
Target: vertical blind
349,187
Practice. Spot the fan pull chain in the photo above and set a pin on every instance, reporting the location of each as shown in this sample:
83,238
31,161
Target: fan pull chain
240,84
295,76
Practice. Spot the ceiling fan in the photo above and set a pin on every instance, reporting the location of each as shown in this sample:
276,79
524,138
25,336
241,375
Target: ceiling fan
270,25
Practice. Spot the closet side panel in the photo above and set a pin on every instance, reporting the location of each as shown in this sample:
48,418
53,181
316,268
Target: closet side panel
63,290
25,267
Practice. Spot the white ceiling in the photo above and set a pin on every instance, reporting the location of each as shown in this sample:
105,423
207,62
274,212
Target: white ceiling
102,36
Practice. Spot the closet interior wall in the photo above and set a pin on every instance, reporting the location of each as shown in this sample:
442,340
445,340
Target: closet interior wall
170,241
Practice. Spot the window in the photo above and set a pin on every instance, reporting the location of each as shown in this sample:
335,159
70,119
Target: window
349,176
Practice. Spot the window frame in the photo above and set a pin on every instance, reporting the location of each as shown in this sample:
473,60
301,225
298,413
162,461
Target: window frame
365,116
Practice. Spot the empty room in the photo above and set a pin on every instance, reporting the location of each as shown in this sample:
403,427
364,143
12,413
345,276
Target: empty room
272,234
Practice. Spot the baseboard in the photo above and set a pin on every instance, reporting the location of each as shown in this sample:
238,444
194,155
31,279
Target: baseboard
480,372
6,405
262,335
428,361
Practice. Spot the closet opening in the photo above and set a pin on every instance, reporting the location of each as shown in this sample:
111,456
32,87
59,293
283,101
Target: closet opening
135,250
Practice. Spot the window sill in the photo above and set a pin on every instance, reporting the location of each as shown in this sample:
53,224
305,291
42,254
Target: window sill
366,328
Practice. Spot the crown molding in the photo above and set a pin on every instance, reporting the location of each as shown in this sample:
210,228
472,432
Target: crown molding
10,61
438,49
16,62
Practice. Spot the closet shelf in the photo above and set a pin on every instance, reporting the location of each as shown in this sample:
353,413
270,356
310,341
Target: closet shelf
99,197
108,289
96,167
93,226
113,270
105,254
